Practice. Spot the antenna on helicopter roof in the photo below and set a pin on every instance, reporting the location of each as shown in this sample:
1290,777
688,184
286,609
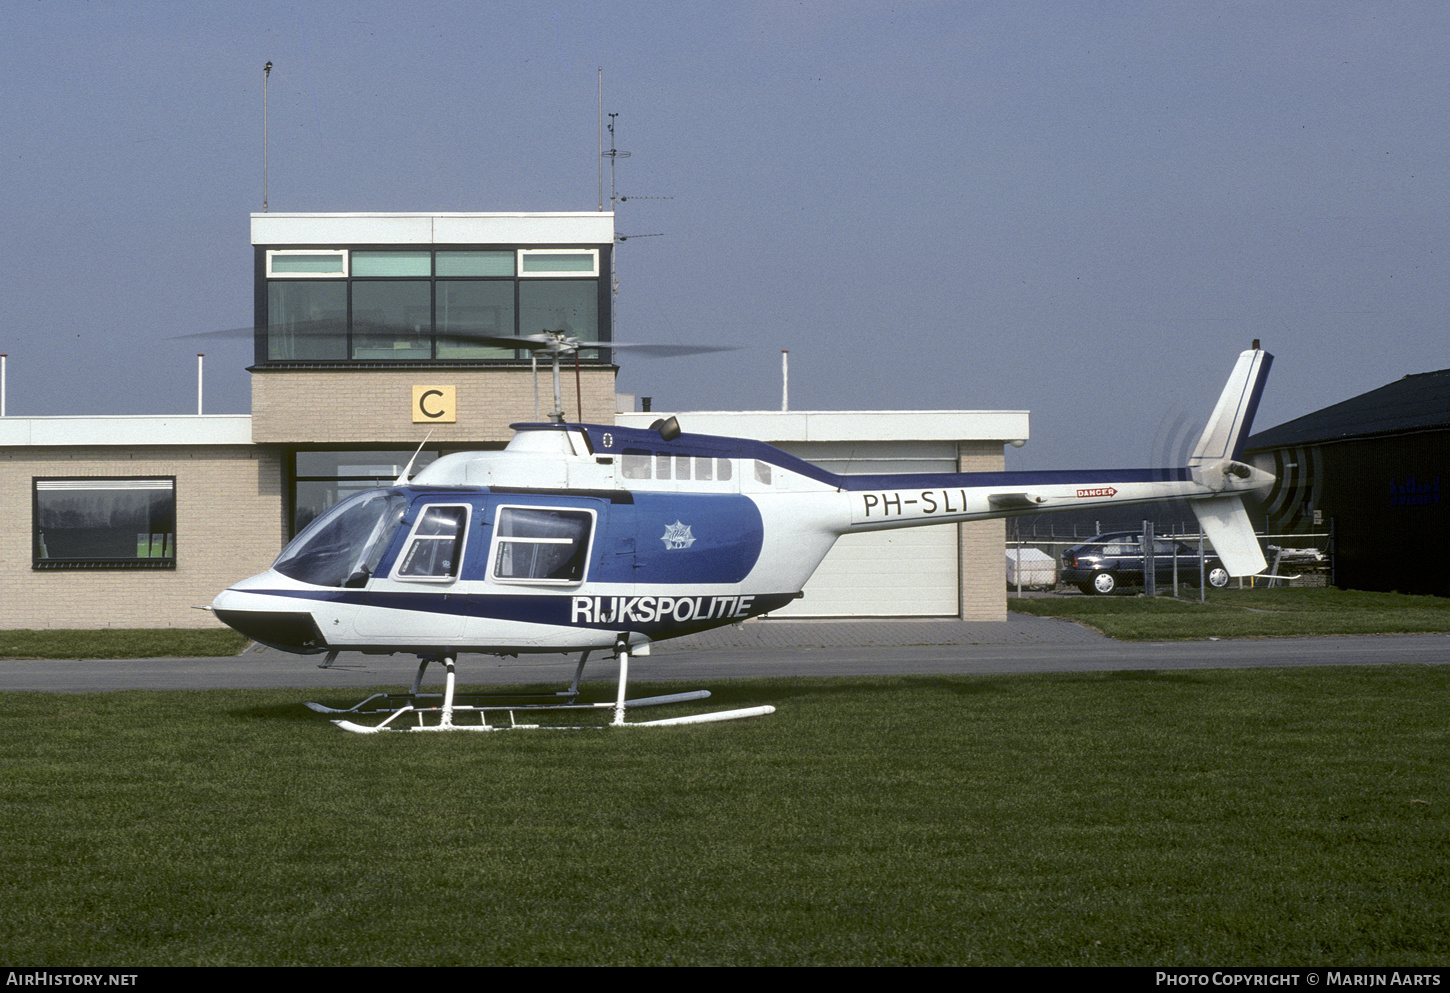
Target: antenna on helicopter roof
402,480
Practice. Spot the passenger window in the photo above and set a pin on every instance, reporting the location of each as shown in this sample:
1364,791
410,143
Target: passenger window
723,465
636,464
682,467
436,544
662,465
703,468
541,546
762,472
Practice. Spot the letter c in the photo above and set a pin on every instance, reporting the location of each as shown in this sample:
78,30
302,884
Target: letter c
423,397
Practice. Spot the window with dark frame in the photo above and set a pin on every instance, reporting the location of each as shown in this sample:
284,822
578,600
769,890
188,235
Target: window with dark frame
103,522
410,305
321,478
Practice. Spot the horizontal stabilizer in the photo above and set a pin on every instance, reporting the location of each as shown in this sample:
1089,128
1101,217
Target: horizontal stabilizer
1233,416
1226,523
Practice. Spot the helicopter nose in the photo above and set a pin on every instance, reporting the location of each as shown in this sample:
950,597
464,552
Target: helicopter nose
258,616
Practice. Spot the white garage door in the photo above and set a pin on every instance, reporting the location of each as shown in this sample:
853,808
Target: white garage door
906,573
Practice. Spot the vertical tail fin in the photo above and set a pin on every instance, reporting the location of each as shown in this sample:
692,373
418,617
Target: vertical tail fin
1233,416
1223,518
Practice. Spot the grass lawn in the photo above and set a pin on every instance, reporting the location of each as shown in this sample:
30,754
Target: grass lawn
1277,816
120,643
1247,613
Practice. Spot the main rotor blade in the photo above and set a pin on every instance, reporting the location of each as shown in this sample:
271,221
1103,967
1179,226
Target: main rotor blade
327,327
337,327
246,332
547,344
496,340
660,351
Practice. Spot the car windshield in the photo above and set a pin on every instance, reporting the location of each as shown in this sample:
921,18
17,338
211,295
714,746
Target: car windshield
343,546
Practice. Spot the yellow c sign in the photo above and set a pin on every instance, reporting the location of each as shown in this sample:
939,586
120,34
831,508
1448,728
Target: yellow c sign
435,405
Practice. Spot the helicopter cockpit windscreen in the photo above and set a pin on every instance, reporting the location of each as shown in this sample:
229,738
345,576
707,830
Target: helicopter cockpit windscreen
343,546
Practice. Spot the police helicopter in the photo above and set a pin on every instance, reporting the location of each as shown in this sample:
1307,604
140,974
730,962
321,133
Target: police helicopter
594,537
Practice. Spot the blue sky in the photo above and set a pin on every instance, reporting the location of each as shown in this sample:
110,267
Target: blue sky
1084,210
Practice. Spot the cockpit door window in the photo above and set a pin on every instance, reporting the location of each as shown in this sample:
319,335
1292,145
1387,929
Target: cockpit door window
435,548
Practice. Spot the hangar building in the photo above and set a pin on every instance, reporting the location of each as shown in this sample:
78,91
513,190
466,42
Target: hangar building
1370,469
360,350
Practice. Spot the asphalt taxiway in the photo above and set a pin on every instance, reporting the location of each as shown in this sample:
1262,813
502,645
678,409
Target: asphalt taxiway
779,648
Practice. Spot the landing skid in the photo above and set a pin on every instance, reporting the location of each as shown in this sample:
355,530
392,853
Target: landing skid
387,703
450,705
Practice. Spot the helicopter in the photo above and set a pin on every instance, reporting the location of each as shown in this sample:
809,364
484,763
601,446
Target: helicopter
594,537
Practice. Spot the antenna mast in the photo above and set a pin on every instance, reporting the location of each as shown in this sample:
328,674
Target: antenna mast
266,74
601,139
612,154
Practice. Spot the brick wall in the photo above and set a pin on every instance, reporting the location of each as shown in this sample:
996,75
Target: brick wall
355,406
984,577
229,525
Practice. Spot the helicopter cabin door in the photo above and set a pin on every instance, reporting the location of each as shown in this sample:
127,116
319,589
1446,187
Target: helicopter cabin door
417,589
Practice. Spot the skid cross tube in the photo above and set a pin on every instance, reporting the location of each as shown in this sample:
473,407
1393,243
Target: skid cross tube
452,704
387,703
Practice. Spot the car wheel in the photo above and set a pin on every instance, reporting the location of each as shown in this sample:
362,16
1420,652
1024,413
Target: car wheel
1218,577
1104,583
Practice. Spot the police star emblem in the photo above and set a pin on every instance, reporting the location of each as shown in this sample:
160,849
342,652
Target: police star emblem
677,535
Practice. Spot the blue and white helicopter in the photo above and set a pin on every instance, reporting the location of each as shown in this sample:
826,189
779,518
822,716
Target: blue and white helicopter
590,537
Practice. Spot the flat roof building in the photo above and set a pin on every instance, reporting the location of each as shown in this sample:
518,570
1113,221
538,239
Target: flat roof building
372,330
1369,471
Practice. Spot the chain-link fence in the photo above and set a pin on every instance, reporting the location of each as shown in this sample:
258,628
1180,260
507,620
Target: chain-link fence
1182,563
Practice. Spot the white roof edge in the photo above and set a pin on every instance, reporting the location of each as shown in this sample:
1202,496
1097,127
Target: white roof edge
435,228
129,430
847,425
435,213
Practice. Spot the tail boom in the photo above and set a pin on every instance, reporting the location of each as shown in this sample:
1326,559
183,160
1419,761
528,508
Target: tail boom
907,501
1214,483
